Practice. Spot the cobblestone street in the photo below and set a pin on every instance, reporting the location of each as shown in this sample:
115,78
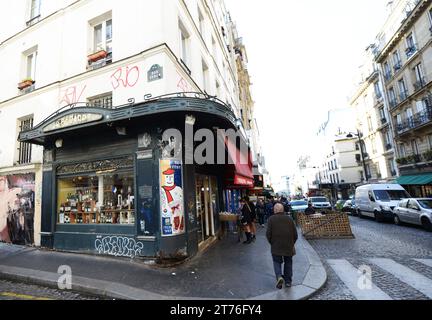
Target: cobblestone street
10,290
398,245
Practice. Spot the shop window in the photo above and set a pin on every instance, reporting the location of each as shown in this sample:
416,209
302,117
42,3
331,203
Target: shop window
96,199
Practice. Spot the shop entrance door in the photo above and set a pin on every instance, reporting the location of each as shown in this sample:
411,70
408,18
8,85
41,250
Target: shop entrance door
206,206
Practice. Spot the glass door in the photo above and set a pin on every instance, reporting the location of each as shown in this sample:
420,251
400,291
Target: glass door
206,204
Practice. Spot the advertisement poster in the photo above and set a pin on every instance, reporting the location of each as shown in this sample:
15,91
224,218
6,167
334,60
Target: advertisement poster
171,198
17,208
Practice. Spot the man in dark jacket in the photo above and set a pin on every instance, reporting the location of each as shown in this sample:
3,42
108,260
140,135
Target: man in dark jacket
282,235
309,210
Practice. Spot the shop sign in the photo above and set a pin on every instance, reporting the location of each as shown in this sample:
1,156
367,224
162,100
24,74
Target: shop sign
243,181
171,198
155,73
72,120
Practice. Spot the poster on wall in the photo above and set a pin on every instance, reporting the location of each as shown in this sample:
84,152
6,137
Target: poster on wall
171,198
17,208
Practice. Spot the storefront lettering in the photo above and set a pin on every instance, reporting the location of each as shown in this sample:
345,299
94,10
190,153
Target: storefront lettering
72,120
119,246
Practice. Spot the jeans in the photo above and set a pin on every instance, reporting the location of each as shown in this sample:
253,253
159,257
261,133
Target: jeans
261,219
277,263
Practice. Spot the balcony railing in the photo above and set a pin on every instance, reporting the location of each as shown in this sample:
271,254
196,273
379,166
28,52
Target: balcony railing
397,66
417,120
383,121
410,51
393,103
419,84
387,75
101,62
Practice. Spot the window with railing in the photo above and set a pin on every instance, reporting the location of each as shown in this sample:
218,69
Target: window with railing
101,51
411,48
403,92
397,63
25,148
34,15
387,71
101,101
392,97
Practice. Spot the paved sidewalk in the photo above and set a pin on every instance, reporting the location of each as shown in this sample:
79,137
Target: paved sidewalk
227,270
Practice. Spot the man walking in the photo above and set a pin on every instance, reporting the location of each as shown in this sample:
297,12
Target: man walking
282,235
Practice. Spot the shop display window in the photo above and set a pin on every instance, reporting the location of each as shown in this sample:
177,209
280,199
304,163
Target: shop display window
96,199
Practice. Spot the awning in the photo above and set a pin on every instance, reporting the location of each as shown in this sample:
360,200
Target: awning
417,179
242,162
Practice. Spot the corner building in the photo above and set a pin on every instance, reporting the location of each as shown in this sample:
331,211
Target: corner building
98,84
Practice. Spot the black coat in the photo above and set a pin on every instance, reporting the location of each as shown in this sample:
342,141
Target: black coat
247,215
282,235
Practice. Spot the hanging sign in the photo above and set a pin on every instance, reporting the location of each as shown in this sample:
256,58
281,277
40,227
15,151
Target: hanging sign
71,120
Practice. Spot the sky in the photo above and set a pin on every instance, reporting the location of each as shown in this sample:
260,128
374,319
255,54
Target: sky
303,59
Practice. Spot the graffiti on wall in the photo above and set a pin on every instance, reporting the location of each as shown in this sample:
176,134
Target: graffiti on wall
17,198
72,95
119,246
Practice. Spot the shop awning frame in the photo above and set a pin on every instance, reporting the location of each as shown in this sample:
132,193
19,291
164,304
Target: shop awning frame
176,102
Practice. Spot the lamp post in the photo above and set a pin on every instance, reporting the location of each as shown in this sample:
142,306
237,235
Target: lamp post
351,135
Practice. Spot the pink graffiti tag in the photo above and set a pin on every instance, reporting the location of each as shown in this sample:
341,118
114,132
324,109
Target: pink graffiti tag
183,85
72,95
126,77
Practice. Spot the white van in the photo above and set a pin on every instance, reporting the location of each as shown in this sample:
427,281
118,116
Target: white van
379,200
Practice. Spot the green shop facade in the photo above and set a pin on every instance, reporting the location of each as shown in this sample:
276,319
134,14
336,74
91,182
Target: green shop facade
111,187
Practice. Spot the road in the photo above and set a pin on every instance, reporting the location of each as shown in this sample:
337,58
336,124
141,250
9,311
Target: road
383,262
11,290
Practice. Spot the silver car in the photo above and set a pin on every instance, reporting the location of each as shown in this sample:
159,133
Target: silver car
415,211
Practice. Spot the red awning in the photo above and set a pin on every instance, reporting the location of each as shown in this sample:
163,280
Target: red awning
242,162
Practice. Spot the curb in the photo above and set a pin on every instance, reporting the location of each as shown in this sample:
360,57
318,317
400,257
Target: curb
315,278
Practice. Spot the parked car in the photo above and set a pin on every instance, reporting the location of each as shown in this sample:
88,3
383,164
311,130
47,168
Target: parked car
298,205
414,211
379,200
339,204
350,207
319,203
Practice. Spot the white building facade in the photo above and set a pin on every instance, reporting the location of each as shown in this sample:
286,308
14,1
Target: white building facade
103,54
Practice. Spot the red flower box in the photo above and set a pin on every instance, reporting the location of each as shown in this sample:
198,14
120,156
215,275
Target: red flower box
97,56
25,83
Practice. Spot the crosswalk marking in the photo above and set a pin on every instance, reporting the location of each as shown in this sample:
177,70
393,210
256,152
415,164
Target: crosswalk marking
405,274
350,276
427,262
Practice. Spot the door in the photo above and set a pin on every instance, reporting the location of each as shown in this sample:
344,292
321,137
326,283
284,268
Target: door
413,212
205,207
401,211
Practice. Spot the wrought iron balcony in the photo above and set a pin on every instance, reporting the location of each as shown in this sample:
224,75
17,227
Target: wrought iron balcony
387,75
410,51
383,121
403,95
419,84
417,120
393,103
397,66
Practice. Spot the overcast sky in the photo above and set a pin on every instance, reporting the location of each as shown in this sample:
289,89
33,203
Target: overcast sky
303,57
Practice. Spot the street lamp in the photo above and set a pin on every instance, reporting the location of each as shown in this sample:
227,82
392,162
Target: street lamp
351,135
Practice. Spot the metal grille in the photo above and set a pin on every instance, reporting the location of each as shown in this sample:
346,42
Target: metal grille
101,101
24,150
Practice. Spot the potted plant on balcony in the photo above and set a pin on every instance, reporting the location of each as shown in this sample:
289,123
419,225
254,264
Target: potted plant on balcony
428,155
100,54
27,82
402,161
